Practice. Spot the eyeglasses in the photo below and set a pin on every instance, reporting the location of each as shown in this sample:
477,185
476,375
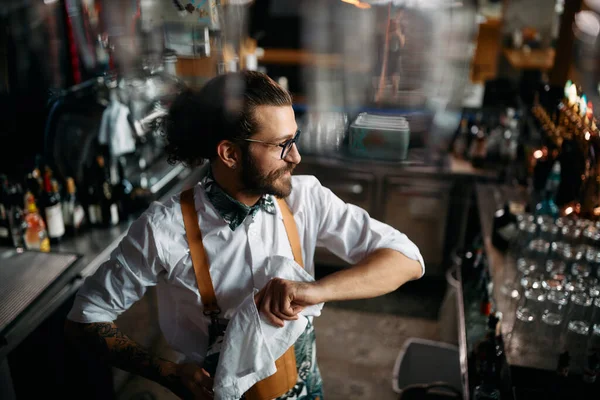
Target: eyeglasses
285,146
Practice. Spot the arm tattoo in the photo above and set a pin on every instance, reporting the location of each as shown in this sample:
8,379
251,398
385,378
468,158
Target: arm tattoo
113,346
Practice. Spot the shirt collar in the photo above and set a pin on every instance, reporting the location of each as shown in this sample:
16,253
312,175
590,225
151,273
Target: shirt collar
231,210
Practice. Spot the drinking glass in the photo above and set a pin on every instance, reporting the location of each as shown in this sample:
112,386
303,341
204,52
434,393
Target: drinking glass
549,232
524,334
594,342
571,235
553,314
580,270
576,336
530,308
526,232
591,236
538,250
580,313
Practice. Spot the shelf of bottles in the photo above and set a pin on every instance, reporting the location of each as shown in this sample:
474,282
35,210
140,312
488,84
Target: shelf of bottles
40,210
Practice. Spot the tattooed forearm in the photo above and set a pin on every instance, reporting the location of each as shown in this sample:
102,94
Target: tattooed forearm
113,346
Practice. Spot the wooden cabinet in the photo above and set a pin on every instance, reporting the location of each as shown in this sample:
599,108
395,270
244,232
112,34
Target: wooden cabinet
419,209
487,51
417,205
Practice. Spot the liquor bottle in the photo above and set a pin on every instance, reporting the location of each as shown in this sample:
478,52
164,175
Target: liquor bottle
459,148
36,235
16,215
122,190
487,364
51,202
590,373
73,212
478,149
572,167
504,228
560,387
92,197
109,209
35,183
5,238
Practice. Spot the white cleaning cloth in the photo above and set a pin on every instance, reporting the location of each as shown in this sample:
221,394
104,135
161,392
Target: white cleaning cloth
115,129
251,343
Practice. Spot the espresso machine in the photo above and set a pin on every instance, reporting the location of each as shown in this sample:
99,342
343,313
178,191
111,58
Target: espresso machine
131,80
120,118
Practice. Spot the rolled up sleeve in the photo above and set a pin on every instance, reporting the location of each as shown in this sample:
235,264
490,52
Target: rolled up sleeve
351,234
121,280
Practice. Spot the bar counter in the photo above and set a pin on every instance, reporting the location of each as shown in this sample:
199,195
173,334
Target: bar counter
531,369
92,247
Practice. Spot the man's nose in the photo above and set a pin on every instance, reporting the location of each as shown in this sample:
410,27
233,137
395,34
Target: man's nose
293,156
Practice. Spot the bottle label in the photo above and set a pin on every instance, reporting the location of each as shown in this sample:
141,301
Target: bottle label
114,214
54,219
45,245
78,216
93,214
73,214
3,232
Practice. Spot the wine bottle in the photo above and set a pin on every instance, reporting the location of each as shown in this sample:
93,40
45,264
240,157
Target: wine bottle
109,209
36,235
92,198
53,210
5,237
73,212
16,216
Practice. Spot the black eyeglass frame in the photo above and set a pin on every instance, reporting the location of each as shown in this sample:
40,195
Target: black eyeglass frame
285,146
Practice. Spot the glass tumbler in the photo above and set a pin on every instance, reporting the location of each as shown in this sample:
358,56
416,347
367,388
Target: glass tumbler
538,250
530,308
553,315
580,313
591,236
575,284
526,232
512,287
558,249
549,232
555,267
580,270
571,235
524,334
594,342
576,336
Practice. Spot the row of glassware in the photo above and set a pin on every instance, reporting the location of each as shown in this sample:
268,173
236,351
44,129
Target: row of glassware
551,287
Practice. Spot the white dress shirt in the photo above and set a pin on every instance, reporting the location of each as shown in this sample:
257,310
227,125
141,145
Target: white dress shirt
155,252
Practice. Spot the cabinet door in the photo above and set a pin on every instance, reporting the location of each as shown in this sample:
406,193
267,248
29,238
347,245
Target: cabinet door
352,187
419,208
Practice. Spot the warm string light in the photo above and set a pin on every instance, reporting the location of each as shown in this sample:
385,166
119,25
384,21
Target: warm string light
575,110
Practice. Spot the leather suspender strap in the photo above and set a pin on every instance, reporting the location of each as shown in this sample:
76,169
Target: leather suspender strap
197,252
286,376
292,231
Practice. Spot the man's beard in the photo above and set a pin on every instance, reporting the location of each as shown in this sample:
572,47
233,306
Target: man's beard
257,183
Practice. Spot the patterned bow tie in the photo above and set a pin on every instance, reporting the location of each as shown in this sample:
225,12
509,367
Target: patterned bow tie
232,211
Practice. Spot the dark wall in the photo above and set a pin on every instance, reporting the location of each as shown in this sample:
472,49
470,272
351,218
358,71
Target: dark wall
34,61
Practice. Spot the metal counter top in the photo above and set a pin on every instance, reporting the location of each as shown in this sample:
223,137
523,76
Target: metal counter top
92,247
489,199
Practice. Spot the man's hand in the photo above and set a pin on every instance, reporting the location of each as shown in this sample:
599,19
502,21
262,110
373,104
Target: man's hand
193,382
282,300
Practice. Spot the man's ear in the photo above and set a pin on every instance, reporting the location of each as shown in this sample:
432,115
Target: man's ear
229,153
